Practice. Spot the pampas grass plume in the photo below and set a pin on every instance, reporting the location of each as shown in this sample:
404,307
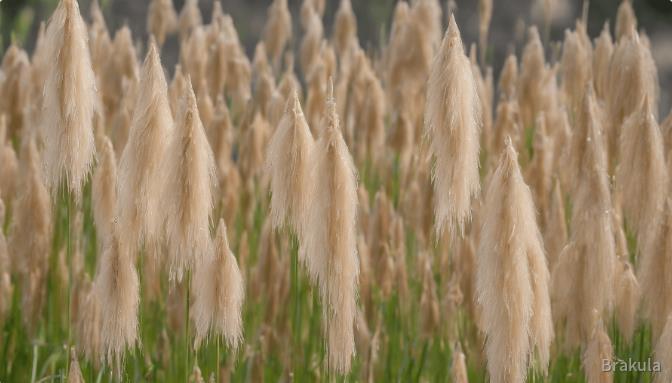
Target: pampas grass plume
190,171
512,276
140,177
104,190
663,354
69,95
288,166
278,29
219,294
161,19
452,122
331,241
117,290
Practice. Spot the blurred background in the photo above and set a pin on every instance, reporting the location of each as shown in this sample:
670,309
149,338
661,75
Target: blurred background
19,21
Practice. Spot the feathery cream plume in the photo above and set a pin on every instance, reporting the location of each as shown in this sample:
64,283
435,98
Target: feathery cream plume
9,164
104,191
575,67
625,19
345,28
655,264
219,294
555,233
140,177
189,18
458,368
633,81
663,354
75,373
288,166
452,121
584,273
278,29
189,189
16,72
642,170
331,241
532,72
512,276
508,78
69,95
117,290
161,19
30,233
627,300
604,48
598,350
310,44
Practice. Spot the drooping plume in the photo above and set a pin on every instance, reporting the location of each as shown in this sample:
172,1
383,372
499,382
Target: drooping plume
117,289
331,242
140,177
627,299
598,350
288,166
452,123
583,275
218,294
278,29
642,170
161,19
104,191
655,265
663,353
512,276
190,173
69,96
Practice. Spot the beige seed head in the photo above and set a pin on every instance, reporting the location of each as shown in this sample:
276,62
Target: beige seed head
598,350
288,166
117,290
104,191
452,122
512,276
219,294
628,295
188,191
161,19
642,170
331,241
278,29
69,94
140,177
663,354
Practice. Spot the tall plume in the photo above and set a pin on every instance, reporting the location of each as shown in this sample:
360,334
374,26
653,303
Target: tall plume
190,170
604,48
117,289
104,191
161,19
584,273
598,350
532,73
140,177
512,276
219,294
627,299
633,81
655,264
452,122
331,242
69,95
663,354
642,169
278,29
288,166
345,28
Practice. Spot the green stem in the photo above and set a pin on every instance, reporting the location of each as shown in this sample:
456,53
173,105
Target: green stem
186,329
33,374
217,362
70,276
